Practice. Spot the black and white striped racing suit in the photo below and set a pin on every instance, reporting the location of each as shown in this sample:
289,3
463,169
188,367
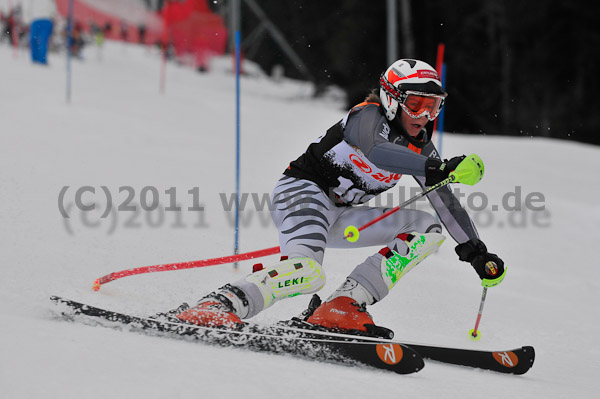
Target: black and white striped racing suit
358,158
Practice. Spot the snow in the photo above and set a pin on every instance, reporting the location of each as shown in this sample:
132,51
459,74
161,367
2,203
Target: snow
120,131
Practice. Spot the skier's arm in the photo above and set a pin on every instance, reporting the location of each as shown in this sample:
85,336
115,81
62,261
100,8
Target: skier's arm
489,267
448,207
397,159
368,130
451,213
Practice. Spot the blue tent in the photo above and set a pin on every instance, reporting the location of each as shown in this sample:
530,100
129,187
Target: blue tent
39,36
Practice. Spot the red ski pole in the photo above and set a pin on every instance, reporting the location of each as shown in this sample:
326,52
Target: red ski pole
475,334
470,172
352,232
184,265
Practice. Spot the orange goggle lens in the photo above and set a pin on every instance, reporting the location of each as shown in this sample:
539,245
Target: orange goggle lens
417,106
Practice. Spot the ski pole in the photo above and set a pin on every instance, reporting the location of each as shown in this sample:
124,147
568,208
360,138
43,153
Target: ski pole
470,172
184,265
475,334
352,232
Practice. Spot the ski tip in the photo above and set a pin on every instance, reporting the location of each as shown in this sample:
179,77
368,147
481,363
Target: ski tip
527,357
518,361
96,286
531,352
417,361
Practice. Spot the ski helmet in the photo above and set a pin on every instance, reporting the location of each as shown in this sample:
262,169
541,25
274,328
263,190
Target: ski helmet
413,85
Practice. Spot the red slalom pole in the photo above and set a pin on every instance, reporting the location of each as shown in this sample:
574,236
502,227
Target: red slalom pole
165,40
439,62
184,265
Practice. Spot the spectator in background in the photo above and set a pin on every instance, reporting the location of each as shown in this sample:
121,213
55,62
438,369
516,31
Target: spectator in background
142,33
8,23
77,41
3,20
124,29
107,28
96,33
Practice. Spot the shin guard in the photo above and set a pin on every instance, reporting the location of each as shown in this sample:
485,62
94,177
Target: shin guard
394,265
288,278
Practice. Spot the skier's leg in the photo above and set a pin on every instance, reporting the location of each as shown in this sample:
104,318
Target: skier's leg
372,279
377,273
303,215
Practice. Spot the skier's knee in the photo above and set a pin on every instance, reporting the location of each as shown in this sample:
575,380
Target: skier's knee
416,248
288,278
421,222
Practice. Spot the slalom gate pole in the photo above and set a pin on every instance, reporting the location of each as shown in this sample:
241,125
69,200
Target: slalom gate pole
351,233
164,47
440,67
69,48
474,334
184,265
439,62
236,244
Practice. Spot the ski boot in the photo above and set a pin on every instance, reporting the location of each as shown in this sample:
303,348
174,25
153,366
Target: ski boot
342,314
218,309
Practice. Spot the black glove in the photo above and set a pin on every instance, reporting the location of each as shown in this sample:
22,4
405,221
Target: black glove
436,170
489,267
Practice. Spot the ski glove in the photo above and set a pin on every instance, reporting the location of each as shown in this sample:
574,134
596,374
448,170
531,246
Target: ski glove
489,267
437,170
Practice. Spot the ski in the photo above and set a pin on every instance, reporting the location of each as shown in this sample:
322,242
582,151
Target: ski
303,339
330,348
514,361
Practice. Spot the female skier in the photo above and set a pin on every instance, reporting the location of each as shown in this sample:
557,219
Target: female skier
316,199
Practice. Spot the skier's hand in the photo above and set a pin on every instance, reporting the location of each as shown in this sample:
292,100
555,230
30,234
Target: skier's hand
489,267
437,170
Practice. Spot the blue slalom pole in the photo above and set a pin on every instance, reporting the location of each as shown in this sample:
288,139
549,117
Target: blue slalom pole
69,45
236,248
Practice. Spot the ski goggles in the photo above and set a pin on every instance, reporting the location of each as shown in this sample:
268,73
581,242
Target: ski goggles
418,104
415,103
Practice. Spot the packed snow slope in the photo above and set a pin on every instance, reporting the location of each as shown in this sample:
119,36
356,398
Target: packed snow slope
119,135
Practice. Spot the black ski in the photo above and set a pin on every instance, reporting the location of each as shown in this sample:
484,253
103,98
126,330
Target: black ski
515,361
303,339
332,348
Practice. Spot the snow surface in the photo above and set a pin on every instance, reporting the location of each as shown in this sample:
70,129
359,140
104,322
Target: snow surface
119,131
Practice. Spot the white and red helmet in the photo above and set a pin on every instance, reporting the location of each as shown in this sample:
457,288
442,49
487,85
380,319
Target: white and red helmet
414,86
